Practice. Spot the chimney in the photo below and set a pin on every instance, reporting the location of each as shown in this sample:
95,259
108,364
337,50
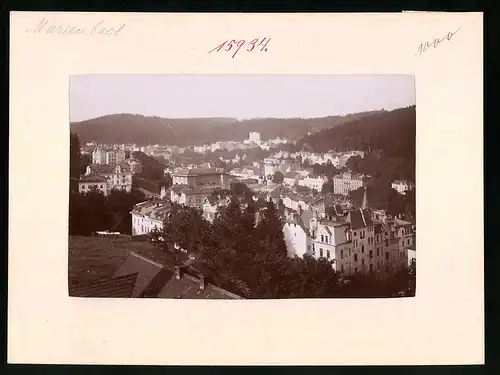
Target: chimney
178,272
203,282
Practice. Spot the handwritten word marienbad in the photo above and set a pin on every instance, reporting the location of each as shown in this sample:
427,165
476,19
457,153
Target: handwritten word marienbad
98,29
229,44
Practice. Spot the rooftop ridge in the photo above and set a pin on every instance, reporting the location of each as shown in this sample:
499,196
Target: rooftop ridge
146,259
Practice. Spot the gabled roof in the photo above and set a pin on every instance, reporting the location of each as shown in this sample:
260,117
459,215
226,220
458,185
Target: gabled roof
101,168
117,287
145,269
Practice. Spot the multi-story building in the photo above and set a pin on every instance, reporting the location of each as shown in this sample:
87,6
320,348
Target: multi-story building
148,215
402,186
348,181
135,166
102,156
118,176
291,178
201,178
357,241
296,232
99,155
313,182
115,156
88,183
254,137
188,196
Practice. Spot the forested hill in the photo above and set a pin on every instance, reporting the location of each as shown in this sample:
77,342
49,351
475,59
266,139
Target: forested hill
142,130
392,132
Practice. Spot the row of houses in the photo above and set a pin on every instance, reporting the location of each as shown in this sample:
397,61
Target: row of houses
356,241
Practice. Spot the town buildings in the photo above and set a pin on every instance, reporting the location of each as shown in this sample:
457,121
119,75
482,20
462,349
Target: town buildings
345,182
149,215
189,196
118,176
315,183
89,182
356,241
201,178
101,155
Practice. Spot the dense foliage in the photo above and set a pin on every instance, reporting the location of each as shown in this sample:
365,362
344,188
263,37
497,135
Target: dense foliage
251,260
388,138
93,211
124,128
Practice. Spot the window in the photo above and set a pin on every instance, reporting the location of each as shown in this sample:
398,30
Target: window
328,254
342,268
387,255
355,257
371,267
408,242
371,253
402,243
314,251
321,253
349,251
354,233
322,239
362,248
341,254
386,242
356,270
378,251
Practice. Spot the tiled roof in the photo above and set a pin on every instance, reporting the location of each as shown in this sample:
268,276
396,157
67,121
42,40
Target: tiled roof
92,178
359,219
101,168
291,175
117,287
188,287
146,270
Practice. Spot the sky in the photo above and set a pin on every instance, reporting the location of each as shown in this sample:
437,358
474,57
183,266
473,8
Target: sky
237,96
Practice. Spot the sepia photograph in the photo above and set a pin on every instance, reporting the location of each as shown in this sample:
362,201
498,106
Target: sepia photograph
242,186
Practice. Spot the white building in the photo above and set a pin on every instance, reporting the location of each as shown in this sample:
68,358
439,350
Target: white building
313,182
116,156
254,137
88,183
296,233
118,176
148,215
402,186
99,155
192,197
348,181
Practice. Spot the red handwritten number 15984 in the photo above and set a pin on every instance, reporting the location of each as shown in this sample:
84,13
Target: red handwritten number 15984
229,44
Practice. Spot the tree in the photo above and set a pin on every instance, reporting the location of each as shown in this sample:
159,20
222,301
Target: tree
278,177
76,165
239,188
353,163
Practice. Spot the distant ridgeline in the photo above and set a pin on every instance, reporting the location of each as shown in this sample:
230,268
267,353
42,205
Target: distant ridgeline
392,132
142,130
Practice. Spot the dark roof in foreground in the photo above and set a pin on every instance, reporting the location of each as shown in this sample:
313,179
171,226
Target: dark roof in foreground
118,287
188,287
154,280
145,269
